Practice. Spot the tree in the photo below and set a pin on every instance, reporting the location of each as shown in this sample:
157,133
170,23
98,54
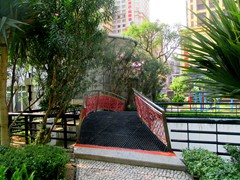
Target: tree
157,40
14,15
214,54
152,77
65,43
116,66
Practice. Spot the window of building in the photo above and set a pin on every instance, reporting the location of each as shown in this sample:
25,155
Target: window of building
200,6
119,26
192,24
123,25
202,16
212,3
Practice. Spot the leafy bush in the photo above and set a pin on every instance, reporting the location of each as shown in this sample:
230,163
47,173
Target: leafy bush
47,162
19,174
163,98
3,171
178,98
234,152
4,149
207,165
199,161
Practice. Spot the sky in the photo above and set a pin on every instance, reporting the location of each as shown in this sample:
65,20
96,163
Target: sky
168,11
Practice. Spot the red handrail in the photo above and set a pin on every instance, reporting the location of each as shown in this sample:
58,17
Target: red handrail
102,100
153,116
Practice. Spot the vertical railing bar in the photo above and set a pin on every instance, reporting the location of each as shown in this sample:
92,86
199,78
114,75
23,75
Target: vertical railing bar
188,135
65,131
217,138
26,129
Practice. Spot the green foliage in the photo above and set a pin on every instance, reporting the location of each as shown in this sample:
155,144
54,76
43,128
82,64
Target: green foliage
152,77
4,149
47,162
156,43
179,87
157,40
234,152
178,98
207,165
19,174
22,174
163,98
64,44
3,171
215,52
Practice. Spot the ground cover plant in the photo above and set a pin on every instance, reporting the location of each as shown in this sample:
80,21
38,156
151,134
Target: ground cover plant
40,161
206,165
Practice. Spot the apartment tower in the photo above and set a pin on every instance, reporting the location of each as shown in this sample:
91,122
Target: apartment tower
198,7
129,12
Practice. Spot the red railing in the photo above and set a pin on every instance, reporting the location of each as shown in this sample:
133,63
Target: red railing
102,100
153,116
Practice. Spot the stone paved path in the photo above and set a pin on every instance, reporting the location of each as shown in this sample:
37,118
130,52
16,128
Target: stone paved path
98,170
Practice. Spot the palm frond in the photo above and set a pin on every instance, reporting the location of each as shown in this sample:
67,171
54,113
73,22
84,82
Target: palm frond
214,56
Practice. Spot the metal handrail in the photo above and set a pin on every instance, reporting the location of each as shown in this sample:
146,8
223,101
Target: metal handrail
87,94
159,110
152,104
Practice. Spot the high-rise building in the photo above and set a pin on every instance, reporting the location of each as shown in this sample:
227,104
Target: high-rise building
129,12
198,7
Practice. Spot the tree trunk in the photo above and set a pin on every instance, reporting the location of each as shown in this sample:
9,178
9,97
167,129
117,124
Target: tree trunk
3,102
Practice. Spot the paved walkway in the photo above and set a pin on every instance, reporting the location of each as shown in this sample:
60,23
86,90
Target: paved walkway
98,170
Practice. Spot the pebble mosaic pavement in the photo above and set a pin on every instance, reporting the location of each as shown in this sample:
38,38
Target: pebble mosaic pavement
98,170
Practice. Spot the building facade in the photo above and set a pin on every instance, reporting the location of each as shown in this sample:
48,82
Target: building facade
198,7
129,12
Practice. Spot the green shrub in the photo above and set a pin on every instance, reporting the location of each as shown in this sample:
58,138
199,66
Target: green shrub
12,158
163,98
19,174
4,149
178,98
47,162
234,152
199,161
207,165
3,171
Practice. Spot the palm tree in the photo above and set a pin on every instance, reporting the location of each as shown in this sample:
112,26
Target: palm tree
12,12
214,58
